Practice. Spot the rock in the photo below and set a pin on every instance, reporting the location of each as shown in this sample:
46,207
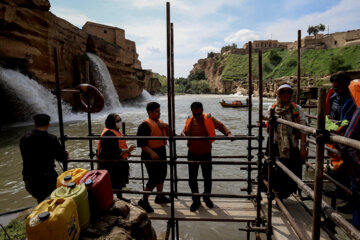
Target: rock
118,234
120,208
30,33
101,226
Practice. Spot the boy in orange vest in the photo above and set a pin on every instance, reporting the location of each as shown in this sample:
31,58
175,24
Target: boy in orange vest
153,150
201,124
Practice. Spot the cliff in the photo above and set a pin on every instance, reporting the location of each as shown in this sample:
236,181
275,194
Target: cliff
227,72
30,32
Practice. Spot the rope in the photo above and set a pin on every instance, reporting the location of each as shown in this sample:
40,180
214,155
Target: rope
5,231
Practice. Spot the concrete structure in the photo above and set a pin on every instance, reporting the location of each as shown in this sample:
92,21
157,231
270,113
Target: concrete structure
108,33
326,41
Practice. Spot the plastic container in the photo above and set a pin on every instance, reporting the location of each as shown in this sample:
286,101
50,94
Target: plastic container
99,187
72,175
80,196
55,219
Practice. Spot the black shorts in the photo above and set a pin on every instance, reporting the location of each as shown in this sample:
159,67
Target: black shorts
156,171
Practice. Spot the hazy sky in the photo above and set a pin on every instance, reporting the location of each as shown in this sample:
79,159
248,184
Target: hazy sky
201,26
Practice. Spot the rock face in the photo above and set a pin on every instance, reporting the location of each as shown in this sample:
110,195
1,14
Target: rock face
212,73
29,34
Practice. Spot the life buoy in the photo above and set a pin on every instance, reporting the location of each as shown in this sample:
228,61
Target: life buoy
96,98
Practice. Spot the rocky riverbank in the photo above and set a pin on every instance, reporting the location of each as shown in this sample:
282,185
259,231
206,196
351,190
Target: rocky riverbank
122,222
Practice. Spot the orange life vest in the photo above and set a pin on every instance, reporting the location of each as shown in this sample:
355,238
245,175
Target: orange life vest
122,143
209,125
156,131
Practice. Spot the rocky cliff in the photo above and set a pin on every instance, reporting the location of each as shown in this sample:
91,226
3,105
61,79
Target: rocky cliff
30,32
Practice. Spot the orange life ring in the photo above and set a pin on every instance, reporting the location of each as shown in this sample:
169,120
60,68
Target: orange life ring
96,98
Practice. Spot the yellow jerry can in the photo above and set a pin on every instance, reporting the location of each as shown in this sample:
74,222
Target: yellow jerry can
54,219
72,175
80,196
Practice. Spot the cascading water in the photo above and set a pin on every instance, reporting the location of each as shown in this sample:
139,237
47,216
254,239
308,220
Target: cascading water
104,82
24,97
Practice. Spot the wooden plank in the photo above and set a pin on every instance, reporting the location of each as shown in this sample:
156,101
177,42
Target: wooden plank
282,228
225,210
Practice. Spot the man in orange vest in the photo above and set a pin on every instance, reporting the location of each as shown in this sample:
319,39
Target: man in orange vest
153,150
201,124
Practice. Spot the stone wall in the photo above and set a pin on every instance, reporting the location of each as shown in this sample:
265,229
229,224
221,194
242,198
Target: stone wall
29,34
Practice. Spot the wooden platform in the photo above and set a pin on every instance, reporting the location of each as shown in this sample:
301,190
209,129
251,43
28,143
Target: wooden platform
225,210
282,228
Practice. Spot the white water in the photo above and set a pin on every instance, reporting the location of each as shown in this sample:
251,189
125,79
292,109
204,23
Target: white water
104,82
30,95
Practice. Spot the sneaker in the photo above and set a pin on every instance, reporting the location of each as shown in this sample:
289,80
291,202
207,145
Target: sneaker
162,199
208,202
144,204
195,205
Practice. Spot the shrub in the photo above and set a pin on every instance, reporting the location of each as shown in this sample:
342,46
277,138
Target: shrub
274,57
198,75
211,54
337,64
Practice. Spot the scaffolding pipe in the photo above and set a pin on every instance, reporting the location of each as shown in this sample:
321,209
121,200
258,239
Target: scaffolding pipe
347,227
169,83
320,125
249,116
338,184
270,169
298,67
260,140
58,98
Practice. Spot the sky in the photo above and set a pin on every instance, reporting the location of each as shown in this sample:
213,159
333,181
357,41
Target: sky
202,26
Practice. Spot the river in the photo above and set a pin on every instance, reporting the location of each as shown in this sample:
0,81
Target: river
13,194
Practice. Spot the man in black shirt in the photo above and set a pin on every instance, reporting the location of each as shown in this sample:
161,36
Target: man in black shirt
39,149
153,150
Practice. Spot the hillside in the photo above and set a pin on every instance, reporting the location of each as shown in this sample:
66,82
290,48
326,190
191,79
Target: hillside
225,71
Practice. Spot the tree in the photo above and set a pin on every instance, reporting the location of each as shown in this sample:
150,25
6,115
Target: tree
315,29
211,54
198,75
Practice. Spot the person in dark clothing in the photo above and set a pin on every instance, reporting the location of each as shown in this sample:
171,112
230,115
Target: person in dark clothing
153,150
351,159
341,109
39,149
115,149
201,124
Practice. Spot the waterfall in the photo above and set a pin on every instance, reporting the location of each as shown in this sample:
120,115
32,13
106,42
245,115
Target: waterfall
104,82
146,96
24,97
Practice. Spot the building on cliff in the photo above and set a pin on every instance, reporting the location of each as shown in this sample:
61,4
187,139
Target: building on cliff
116,36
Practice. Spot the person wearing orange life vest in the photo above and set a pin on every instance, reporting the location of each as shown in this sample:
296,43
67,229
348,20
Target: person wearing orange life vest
153,150
286,141
114,149
201,124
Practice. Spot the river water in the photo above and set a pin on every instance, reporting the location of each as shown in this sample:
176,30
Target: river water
13,194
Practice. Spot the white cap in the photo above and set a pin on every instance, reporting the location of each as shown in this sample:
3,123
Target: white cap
284,86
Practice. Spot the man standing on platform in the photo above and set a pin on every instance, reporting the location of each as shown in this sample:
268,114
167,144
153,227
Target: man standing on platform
201,124
39,149
153,150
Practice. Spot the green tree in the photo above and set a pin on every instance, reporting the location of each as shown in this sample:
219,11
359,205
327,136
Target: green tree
211,54
198,75
314,30
274,57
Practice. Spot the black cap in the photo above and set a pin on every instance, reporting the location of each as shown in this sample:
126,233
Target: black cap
71,185
41,119
67,178
88,183
44,215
